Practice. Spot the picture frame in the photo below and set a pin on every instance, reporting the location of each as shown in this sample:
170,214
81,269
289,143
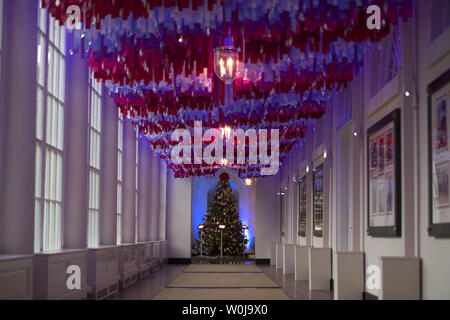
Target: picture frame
302,207
318,203
384,177
439,156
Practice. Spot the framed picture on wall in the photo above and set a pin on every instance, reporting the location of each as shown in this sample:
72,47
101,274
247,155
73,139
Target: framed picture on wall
318,201
302,196
384,177
439,156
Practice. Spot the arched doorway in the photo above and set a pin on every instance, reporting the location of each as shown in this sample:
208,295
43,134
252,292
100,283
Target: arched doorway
203,191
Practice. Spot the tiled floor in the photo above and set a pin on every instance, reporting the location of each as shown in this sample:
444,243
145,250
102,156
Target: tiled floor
147,288
295,290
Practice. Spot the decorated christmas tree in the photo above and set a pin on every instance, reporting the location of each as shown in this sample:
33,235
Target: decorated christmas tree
223,211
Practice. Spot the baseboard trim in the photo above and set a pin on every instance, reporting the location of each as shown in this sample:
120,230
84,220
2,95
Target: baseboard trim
369,296
262,261
179,261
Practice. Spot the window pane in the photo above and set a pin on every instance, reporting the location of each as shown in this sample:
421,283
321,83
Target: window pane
38,173
59,165
120,135
39,114
37,225
41,59
51,29
119,211
50,68
119,229
119,166
55,61
54,123
42,19
62,43
62,79
45,234
93,208
56,33
119,198
61,127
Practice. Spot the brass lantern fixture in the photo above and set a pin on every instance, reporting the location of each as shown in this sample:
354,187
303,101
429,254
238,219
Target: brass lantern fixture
226,63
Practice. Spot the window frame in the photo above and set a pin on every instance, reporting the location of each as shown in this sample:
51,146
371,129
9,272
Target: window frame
302,208
318,196
49,166
94,164
119,209
136,211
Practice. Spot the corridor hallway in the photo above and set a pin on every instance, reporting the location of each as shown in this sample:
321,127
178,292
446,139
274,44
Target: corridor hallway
141,137
215,282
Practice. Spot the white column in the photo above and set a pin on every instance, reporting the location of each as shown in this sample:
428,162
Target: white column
129,183
294,193
76,145
288,202
163,198
309,188
143,189
285,201
409,143
108,171
19,138
154,198
327,170
357,154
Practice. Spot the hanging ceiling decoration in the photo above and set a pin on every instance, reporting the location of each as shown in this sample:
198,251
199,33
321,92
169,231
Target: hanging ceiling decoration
162,61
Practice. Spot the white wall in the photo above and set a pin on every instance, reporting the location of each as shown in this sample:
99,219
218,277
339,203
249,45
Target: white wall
267,215
163,200
154,198
129,183
178,219
433,60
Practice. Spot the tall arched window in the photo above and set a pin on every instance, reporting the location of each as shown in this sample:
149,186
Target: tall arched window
95,131
119,178
136,212
49,133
